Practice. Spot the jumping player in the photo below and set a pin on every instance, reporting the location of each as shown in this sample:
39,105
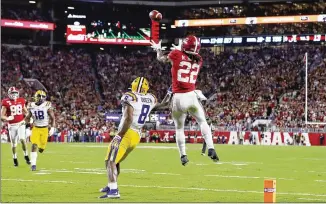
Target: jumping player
13,110
41,111
186,64
136,106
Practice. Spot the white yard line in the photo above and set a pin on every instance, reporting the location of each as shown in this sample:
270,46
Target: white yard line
182,188
167,174
42,173
311,199
249,177
318,172
42,181
320,180
223,190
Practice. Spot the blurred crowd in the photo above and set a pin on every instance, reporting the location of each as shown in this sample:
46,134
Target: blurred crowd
67,76
25,12
261,29
252,10
243,86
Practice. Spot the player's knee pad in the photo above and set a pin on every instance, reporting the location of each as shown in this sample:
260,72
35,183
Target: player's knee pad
205,130
40,150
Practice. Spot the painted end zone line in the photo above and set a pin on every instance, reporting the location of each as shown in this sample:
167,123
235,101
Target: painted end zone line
180,188
222,190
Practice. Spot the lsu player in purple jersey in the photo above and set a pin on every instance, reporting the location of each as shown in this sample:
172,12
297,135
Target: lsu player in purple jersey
136,106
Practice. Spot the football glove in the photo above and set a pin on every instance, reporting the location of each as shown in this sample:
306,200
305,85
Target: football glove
9,118
51,131
157,46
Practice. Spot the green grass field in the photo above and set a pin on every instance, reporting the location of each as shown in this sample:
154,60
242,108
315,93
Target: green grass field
153,173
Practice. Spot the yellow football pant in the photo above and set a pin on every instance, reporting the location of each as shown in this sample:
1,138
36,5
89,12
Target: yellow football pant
40,136
128,143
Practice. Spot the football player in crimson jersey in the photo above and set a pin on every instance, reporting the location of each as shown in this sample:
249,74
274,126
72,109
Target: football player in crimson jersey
13,110
186,64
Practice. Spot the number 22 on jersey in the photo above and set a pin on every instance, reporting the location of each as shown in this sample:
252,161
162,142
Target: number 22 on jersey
188,72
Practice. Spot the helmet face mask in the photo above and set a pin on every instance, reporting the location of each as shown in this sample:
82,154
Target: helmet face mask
140,85
40,96
13,93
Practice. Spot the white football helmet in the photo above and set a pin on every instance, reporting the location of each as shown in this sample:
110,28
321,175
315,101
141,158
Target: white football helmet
13,93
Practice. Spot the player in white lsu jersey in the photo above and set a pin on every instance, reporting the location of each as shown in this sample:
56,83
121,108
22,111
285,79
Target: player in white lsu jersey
42,113
136,106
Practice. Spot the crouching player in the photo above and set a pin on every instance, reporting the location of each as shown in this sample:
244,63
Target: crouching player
136,105
41,111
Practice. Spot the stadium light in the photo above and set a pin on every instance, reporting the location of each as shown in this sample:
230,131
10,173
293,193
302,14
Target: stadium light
163,27
70,7
101,48
173,26
65,11
32,2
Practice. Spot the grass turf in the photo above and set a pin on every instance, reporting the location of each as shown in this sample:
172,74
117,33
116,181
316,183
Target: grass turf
153,173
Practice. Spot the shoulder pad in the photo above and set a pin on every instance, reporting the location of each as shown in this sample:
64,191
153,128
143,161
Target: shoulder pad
4,102
128,97
48,104
154,97
174,54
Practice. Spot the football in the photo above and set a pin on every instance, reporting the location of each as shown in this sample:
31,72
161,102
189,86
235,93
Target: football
155,15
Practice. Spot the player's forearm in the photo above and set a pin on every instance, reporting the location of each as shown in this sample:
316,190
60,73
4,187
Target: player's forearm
161,57
4,117
164,103
53,122
125,126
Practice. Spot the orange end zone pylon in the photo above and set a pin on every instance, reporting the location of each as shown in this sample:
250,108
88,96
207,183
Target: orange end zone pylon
269,191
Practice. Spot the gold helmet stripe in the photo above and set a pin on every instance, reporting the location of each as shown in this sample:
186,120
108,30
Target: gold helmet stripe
140,84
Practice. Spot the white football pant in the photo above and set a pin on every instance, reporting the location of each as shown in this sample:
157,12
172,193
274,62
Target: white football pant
16,132
189,102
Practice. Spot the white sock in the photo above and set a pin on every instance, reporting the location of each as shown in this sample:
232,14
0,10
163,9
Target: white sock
25,153
33,158
207,134
113,185
181,141
15,156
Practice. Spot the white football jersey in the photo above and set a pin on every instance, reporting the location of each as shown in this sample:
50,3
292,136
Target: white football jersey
40,113
142,104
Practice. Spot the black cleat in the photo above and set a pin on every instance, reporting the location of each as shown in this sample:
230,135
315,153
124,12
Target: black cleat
27,160
15,162
212,154
184,160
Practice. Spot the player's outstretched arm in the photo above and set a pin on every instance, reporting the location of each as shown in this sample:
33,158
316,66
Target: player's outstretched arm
127,120
166,101
158,48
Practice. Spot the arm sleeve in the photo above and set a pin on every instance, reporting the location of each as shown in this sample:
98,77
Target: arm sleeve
3,103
